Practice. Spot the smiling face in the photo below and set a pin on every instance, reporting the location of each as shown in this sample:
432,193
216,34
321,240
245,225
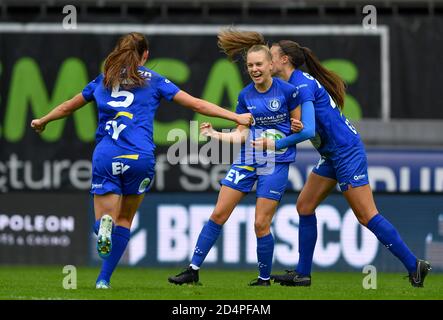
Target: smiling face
259,67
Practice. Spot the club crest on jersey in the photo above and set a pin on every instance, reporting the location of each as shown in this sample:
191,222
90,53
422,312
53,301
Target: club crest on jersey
144,184
274,105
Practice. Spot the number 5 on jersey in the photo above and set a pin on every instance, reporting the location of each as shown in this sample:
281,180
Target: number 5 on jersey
116,93
129,98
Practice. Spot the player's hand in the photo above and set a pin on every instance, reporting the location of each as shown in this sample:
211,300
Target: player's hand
263,144
245,119
206,129
296,125
38,125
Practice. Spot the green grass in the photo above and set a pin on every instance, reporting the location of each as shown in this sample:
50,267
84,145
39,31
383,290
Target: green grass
151,284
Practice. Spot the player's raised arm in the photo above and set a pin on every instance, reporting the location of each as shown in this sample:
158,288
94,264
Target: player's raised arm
61,111
210,109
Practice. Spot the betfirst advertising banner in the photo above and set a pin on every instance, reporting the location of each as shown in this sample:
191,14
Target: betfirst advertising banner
48,228
167,226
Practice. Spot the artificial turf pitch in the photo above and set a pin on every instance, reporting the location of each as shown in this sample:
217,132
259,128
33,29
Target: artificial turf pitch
29,283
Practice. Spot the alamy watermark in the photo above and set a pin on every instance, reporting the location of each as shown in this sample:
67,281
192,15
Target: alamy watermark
370,280
370,19
70,280
70,20
187,151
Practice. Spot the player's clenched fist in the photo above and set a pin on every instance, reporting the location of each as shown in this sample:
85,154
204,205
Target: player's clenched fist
38,125
296,125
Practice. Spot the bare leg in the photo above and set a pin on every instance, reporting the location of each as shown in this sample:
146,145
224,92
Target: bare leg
228,199
128,208
107,204
361,201
264,212
315,190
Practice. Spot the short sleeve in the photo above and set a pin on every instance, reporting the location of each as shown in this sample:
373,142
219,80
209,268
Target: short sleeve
88,91
291,97
241,105
304,92
167,89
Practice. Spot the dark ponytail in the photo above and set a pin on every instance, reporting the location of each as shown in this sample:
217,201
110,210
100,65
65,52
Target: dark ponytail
299,55
121,65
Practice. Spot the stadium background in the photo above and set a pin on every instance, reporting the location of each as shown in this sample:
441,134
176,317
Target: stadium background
394,99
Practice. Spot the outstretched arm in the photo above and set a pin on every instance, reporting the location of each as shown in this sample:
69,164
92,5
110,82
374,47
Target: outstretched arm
308,131
237,136
210,109
61,111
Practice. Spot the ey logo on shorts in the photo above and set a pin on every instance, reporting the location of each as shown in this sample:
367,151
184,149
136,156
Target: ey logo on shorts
234,176
119,168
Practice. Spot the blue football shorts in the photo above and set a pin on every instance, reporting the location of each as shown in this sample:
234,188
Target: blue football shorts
350,168
121,173
271,180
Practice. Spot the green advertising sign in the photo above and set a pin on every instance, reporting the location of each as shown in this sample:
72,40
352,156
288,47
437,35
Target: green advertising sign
29,94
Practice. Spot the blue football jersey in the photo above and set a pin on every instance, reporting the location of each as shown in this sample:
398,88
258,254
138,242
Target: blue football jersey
271,111
126,116
333,131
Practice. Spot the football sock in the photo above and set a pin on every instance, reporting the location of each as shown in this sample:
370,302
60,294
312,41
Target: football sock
265,251
120,239
96,226
205,241
390,238
307,237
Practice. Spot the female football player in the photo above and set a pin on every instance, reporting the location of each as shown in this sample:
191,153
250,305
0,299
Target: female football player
272,103
343,161
127,96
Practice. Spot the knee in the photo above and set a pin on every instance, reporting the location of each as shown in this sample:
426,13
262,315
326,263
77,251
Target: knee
304,208
261,228
219,217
